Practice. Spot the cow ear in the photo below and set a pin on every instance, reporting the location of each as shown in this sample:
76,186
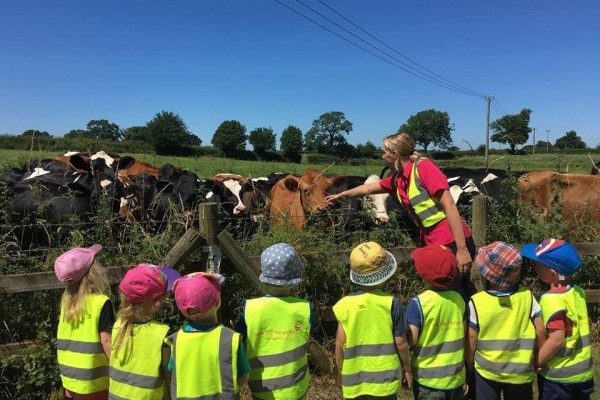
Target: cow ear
79,163
291,183
125,162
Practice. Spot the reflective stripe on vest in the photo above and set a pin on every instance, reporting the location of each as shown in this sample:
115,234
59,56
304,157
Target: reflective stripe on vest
204,364
573,362
506,336
438,356
135,369
371,364
426,209
82,363
277,343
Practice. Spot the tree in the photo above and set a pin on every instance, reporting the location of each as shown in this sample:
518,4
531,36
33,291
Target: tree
77,134
262,139
168,134
230,137
367,150
326,135
429,126
101,129
512,129
136,133
35,133
291,143
570,141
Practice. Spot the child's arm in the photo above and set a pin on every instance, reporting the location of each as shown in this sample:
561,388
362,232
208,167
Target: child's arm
166,355
105,341
471,345
402,349
540,332
340,342
412,334
556,338
242,380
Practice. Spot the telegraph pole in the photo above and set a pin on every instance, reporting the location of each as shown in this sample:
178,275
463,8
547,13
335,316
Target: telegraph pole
488,99
547,140
534,141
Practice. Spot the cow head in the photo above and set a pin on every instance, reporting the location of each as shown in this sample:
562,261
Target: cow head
313,187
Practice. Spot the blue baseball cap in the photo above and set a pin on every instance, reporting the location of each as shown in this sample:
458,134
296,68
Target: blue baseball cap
556,254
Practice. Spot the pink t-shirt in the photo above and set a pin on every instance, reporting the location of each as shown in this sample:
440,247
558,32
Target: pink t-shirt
434,181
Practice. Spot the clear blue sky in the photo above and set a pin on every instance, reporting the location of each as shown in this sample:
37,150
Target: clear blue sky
63,63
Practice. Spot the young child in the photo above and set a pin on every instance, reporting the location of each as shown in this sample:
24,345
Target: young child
208,359
371,350
84,329
276,329
565,359
436,320
505,327
138,364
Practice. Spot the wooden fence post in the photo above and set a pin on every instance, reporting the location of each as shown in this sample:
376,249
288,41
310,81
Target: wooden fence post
209,227
242,263
479,222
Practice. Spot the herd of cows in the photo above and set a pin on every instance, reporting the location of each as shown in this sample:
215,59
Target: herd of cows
44,199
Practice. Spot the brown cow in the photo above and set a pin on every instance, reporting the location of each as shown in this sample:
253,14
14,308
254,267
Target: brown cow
296,199
579,195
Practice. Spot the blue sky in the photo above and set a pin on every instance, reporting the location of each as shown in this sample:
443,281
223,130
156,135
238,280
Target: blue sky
63,63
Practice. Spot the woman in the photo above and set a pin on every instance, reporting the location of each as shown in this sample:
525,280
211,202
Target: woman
423,190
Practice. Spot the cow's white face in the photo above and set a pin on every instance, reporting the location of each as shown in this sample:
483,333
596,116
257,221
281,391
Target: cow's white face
377,202
235,187
107,159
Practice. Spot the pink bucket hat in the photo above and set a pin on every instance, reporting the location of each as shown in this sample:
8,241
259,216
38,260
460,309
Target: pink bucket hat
199,290
143,282
72,265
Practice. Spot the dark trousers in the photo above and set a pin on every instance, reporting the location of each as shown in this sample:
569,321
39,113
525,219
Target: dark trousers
549,390
486,389
423,393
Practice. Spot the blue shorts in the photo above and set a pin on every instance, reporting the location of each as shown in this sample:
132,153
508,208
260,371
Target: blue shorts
564,391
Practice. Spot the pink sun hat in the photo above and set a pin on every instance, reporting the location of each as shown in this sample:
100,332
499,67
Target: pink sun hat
73,265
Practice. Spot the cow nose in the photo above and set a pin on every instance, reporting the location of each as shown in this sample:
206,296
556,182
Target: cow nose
384,219
239,208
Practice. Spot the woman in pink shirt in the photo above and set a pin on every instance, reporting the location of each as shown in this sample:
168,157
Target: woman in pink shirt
428,199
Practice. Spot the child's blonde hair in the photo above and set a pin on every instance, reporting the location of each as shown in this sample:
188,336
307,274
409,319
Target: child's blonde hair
73,298
130,313
402,144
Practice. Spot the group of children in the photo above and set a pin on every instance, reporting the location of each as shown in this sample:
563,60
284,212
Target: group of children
438,346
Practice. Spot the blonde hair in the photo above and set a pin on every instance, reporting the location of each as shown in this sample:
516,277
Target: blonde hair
402,144
73,299
129,314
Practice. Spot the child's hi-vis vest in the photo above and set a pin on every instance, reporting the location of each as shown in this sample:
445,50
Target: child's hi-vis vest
135,370
204,364
573,362
82,362
371,364
277,342
438,356
426,209
506,337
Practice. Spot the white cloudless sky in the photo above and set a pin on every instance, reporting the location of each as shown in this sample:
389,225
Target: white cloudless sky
63,63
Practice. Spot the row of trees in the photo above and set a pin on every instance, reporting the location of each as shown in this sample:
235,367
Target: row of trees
167,133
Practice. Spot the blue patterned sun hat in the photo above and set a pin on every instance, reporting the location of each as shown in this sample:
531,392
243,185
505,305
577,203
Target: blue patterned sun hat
280,265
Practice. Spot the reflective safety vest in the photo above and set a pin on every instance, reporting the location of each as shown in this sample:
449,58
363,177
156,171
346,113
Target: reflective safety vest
204,364
82,362
438,356
135,369
506,337
426,208
371,364
573,362
277,342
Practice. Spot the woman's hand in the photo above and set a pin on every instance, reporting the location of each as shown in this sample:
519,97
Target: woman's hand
463,260
332,198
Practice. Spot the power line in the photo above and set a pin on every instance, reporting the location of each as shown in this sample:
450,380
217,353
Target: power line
500,105
429,79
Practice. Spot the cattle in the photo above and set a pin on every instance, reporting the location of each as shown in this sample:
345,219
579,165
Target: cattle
595,168
375,203
577,196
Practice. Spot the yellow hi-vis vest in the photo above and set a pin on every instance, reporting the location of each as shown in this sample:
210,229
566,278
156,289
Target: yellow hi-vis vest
506,337
573,362
82,362
135,370
426,208
277,342
371,364
204,364
438,356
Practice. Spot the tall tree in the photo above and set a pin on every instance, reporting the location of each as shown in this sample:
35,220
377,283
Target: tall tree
35,133
291,143
230,137
571,140
327,133
168,134
512,129
262,139
77,134
135,133
103,130
429,126
367,150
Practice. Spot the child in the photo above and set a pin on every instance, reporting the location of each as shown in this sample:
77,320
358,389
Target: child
505,327
84,328
207,360
436,320
138,365
565,359
371,350
277,328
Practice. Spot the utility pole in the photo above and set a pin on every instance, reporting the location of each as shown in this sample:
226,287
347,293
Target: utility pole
488,99
547,140
534,141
